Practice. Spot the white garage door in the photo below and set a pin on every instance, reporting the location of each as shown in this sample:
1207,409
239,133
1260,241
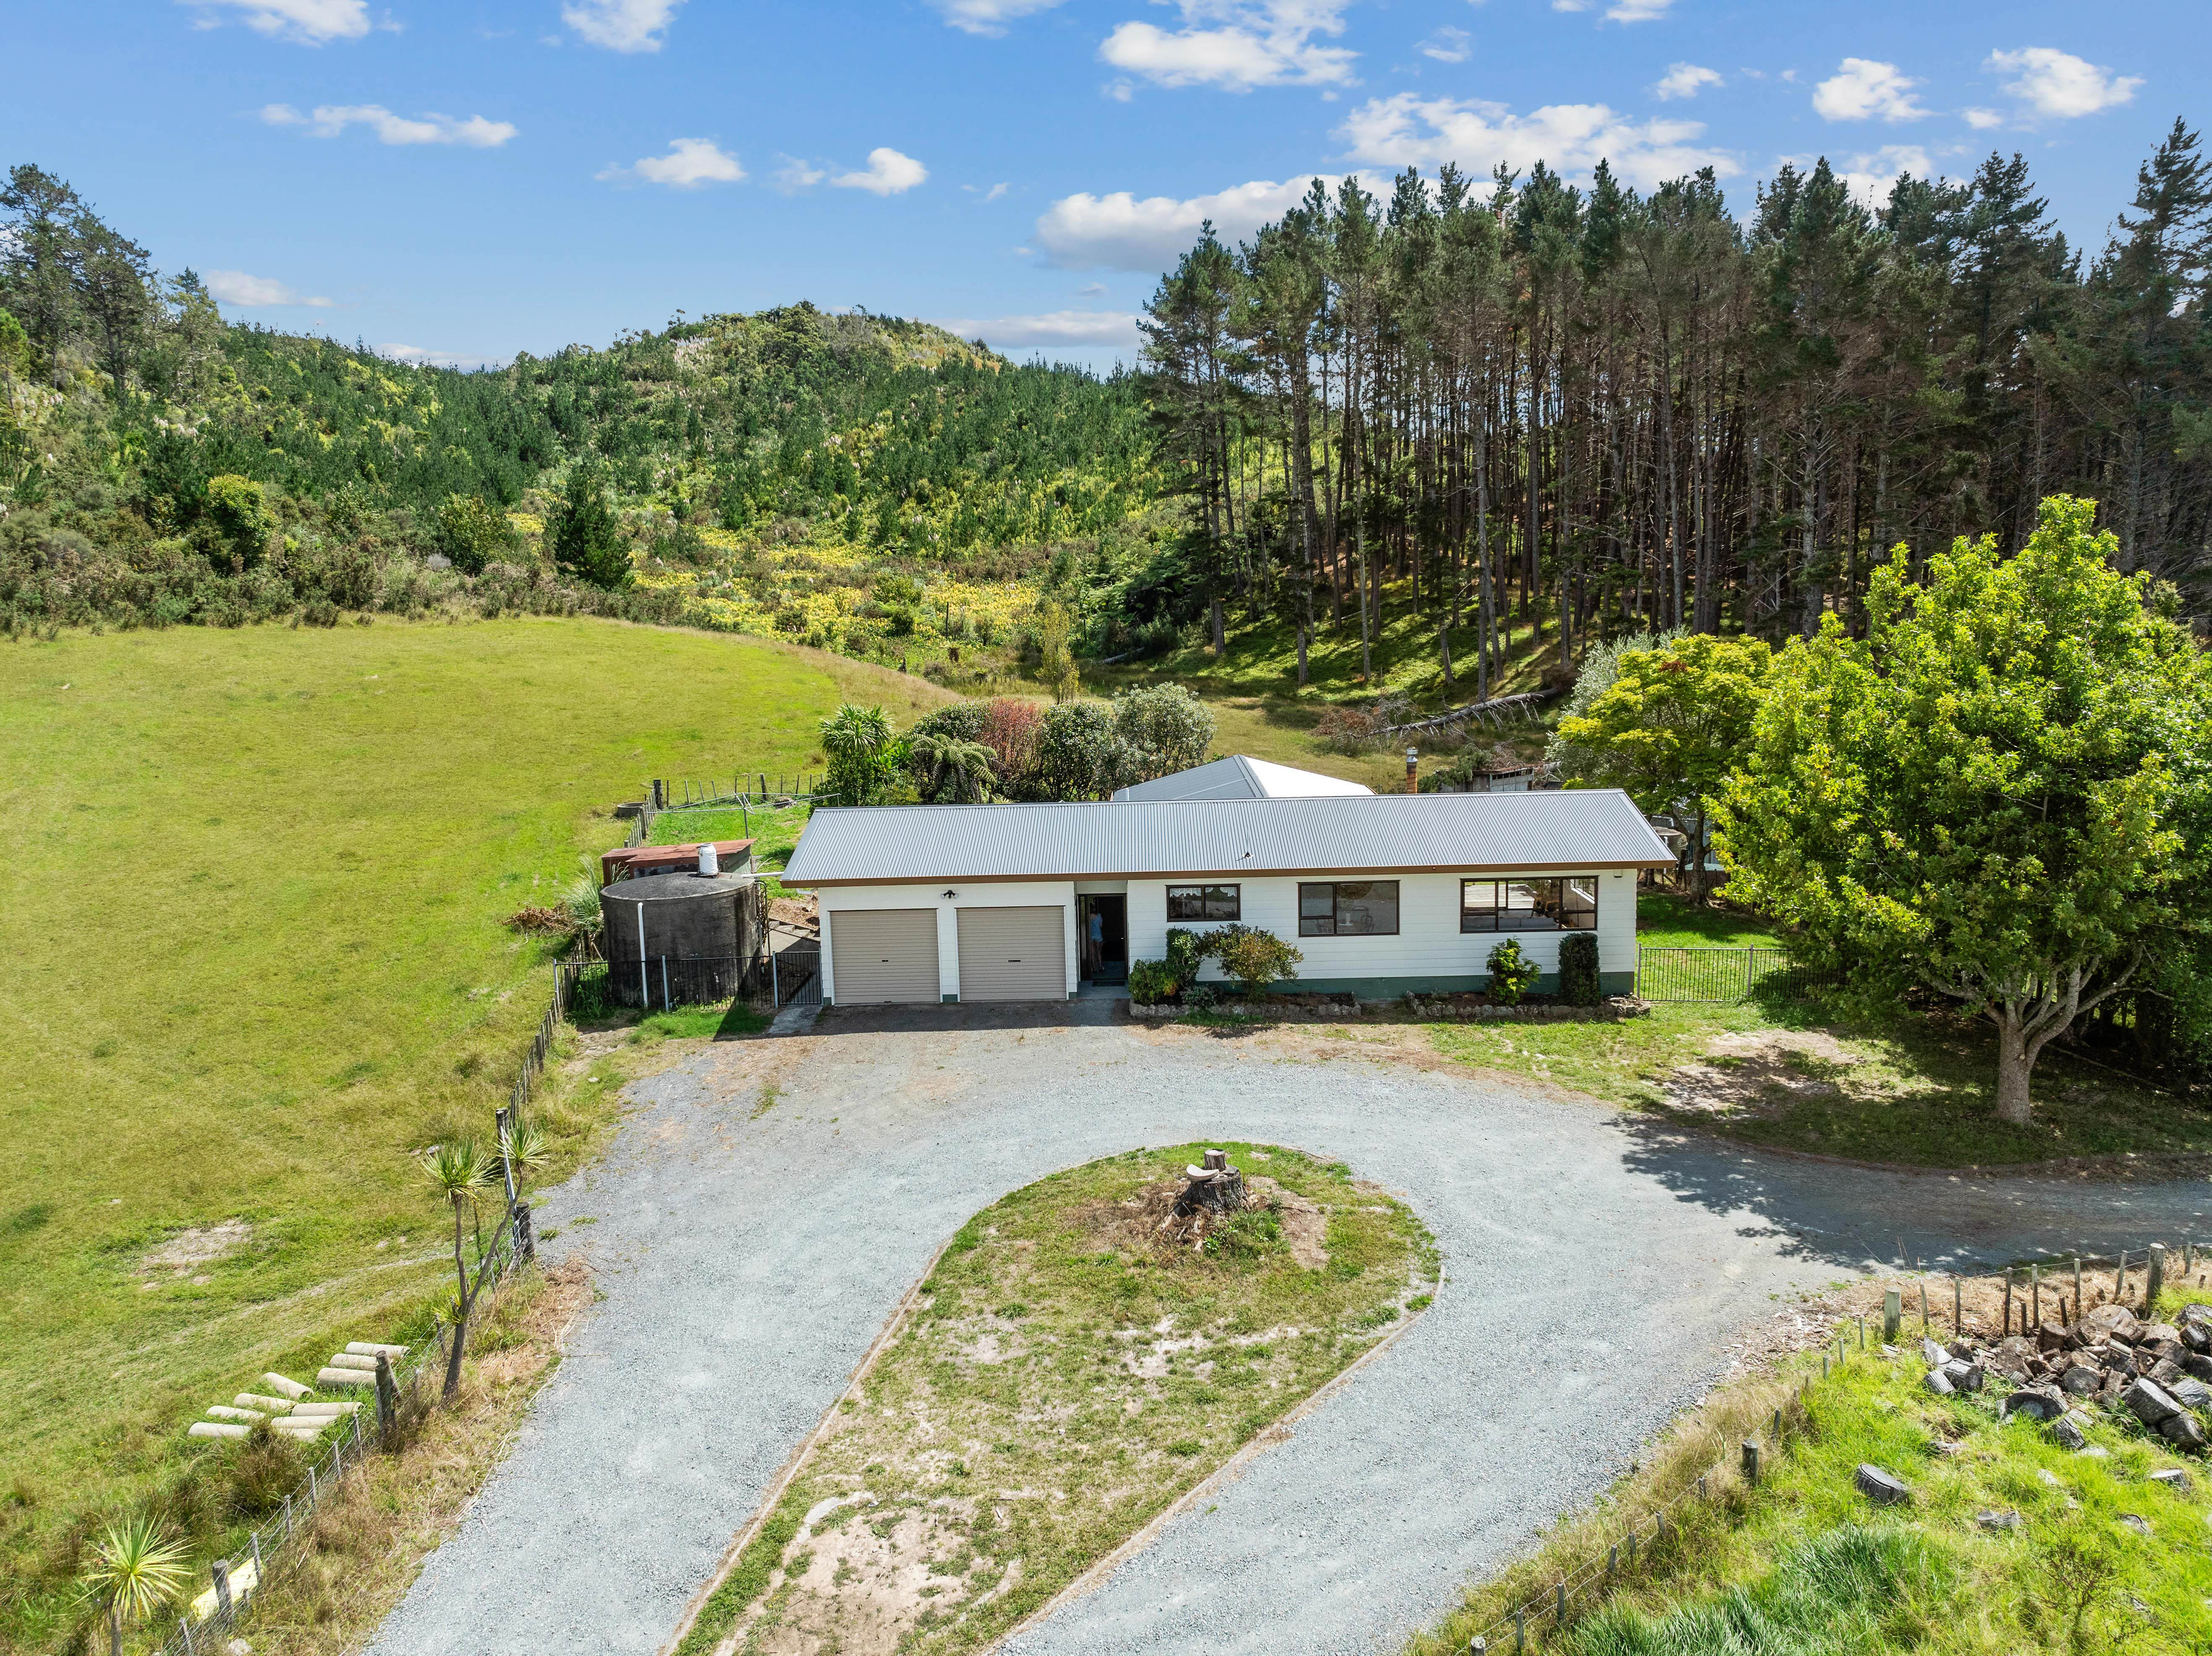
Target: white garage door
1013,954
882,954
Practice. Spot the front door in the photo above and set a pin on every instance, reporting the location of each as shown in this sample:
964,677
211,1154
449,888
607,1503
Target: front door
1105,921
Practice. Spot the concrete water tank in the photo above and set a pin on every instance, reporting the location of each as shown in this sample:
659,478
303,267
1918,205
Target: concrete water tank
681,916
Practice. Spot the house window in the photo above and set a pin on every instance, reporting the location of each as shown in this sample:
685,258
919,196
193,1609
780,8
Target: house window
1205,902
1568,905
1349,908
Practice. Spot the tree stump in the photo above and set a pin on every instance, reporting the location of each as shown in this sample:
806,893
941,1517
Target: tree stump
1216,1188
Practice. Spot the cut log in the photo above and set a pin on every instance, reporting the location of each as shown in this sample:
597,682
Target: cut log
367,1349
346,1377
286,1387
224,1411
352,1359
267,1405
215,1429
311,1410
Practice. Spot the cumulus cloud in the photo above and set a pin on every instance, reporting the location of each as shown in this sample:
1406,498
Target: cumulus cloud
1125,233
416,356
1868,178
690,163
1410,130
1236,44
329,120
1685,80
1621,11
2059,84
251,292
1051,328
796,174
1863,89
1983,119
990,16
621,25
1447,44
311,22
887,174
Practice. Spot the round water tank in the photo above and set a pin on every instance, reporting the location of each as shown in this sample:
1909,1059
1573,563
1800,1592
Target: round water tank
679,916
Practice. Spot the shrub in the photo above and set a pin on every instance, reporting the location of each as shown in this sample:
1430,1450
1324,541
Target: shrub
1164,727
472,533
1186,953
1150,982
1579,980
1255,958
1511,973
238,509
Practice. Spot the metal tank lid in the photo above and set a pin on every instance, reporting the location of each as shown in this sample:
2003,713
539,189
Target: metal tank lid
679,883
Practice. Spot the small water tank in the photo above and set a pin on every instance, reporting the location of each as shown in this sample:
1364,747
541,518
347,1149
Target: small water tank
679,916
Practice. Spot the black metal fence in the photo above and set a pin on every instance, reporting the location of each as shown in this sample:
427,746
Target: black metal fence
1720,976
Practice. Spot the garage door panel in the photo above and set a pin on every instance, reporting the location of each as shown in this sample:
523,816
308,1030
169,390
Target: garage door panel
1013,954
882,954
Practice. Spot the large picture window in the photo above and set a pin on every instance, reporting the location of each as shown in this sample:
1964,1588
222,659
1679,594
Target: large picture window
1568,905
1205,902
1349,908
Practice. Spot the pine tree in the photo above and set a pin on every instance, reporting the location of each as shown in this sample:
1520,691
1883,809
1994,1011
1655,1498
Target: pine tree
586,541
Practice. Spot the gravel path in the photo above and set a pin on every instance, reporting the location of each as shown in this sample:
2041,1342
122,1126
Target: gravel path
747,1256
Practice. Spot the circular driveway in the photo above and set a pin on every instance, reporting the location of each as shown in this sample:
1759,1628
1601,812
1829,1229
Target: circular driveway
768,1202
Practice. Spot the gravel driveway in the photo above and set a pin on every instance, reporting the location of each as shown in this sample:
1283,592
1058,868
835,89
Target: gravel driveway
1594,1277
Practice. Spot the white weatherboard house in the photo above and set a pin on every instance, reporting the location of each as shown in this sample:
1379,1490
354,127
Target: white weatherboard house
1383,894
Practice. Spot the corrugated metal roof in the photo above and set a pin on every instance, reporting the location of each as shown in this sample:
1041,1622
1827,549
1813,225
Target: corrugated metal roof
1241,777
1574,828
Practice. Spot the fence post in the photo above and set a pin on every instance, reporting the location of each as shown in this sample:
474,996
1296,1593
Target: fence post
2154,1282
220,1570
525,1240
1892,1314
1750,1462
255,1541
387,1400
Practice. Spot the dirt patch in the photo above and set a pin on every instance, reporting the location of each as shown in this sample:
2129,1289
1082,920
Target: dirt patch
1305,1227
1146,1224
188,1250
1761,1075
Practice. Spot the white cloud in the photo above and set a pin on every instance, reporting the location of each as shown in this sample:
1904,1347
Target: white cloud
1638,11
312,23
1868,178
796,174
248,292
2060,84
1685,80
1051,328
621,25
414,356
888,173
328,120
1254,43
689,163
1447,44
1409,131
990,16
1124,233
1983,119
1865,88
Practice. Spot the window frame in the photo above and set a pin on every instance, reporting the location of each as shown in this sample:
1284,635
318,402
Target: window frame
1539,921
1333,919
1234,888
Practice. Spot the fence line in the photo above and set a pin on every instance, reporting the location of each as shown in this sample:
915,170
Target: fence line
1714,976
205,1619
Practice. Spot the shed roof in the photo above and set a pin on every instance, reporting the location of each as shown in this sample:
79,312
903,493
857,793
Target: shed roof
1240,776
1470,833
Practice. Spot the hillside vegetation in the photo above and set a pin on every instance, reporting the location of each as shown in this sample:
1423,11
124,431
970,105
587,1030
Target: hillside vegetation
252,955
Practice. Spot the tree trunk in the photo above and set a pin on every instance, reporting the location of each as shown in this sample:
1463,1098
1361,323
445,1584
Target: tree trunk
461,1312
2013,1063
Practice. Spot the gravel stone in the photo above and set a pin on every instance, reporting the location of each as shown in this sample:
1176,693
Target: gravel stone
747,1262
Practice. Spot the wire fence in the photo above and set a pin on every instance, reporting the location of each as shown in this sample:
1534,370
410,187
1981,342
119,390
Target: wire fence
786,976
1545,1616
397,1382
1719,976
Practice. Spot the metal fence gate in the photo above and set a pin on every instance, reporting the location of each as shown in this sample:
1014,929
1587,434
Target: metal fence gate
795,974
1719,976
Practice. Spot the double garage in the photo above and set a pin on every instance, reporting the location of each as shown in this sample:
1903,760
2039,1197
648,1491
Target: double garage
998,952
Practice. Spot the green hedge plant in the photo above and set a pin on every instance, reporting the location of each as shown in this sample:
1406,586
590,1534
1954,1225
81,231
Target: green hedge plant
1512,973
1578,978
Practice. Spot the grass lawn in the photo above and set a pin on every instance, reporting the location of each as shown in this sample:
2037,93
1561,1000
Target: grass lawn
1804,1563
1919,1090
1078,1372
252,955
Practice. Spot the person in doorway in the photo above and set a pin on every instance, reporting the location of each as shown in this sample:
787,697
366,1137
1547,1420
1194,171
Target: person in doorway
1094,942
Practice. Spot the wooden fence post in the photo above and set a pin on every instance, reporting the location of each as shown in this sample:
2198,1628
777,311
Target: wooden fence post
1750,1462
387,1400
2155,1280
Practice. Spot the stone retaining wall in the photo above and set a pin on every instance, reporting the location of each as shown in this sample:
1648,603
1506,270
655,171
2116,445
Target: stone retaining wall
1279,1010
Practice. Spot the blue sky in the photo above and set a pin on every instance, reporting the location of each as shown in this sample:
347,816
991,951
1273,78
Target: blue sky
462,180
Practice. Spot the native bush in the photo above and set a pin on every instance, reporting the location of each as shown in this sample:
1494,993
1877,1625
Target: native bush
1255,957
1512,973
1151,982
1578,978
